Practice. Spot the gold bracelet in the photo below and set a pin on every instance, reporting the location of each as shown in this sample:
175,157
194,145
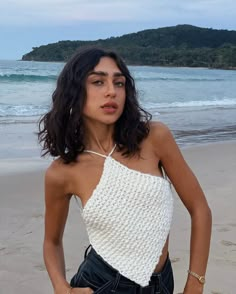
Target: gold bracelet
201,279
69,290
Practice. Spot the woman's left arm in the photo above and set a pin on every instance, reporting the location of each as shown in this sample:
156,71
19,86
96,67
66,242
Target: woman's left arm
192,196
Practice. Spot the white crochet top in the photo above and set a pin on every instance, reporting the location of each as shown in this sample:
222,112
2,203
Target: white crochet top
128,219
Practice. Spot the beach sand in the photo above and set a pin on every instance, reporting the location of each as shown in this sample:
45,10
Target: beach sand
22,269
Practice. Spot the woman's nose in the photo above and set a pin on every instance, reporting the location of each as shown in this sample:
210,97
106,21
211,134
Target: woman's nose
110,90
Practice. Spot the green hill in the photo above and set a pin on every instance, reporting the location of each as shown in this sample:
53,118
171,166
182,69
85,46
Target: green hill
182,45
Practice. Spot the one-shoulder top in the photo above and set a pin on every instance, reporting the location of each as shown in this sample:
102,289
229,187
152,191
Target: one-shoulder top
128,218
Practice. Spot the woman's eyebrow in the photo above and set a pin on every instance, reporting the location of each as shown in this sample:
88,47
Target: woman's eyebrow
103,73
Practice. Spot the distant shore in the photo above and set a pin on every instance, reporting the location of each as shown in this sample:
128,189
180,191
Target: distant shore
175,46
151,65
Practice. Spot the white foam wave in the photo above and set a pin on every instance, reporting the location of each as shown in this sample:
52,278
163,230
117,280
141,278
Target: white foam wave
21,110
202,103
32,110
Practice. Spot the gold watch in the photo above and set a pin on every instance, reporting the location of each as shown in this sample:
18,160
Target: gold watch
201,279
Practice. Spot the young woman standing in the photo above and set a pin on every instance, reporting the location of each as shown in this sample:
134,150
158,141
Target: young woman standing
116,160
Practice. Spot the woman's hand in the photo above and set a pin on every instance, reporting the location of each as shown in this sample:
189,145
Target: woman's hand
86,290
193,289
192,292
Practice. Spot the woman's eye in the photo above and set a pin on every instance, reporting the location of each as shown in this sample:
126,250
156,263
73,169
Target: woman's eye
98,82
120,84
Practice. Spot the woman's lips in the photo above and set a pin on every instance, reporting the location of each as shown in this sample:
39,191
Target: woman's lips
109,107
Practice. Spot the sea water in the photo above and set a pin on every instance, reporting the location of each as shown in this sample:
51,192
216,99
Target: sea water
198,104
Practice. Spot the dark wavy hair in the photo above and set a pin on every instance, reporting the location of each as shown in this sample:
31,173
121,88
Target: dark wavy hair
61,129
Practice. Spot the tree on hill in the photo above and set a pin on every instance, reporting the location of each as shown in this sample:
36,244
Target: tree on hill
181,45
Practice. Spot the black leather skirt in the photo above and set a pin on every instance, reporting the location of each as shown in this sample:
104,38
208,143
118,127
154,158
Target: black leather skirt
97,274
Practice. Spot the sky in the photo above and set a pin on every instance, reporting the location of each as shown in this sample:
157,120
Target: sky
26,23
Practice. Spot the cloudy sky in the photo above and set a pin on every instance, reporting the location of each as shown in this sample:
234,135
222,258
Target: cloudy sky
26,23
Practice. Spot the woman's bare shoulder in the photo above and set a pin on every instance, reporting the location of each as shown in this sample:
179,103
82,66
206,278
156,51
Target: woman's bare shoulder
159,132
55,173
62,176
56,166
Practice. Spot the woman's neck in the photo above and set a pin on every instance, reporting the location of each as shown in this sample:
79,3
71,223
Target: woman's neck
99,138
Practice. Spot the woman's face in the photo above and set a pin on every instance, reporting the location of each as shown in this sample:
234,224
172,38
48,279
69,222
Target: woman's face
105,93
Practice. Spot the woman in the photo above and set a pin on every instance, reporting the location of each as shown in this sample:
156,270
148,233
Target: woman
111,156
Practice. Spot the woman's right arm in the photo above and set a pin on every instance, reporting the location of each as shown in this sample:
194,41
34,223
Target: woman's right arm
57,200
57,207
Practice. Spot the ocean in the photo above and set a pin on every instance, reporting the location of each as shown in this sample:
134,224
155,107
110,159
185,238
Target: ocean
198,104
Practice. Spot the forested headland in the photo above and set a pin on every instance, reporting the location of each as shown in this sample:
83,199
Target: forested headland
181,45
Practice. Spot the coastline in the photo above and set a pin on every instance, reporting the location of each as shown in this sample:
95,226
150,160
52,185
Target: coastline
22,211
20,134
134,64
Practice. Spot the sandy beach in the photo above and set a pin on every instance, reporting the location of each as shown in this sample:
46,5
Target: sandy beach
22,268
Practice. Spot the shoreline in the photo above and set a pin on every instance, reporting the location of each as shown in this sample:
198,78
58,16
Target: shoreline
20,164
185,148
22,223
140,65
20,138
229,68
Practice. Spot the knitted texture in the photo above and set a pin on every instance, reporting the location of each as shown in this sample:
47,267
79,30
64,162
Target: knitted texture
128,219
